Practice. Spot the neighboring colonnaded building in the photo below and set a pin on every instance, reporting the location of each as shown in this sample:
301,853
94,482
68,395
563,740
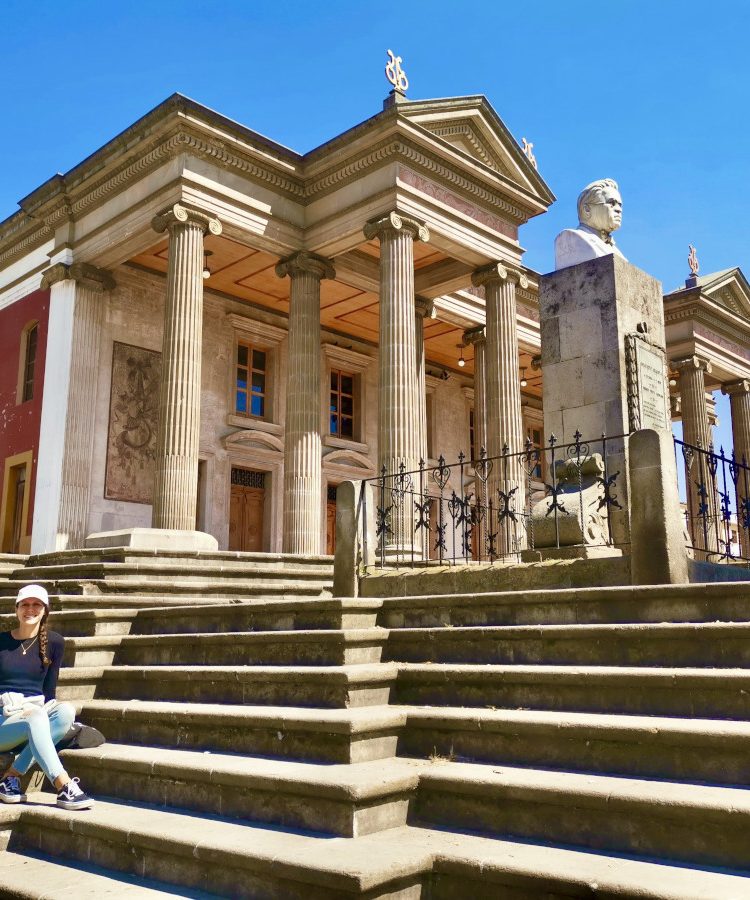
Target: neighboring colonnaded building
389,238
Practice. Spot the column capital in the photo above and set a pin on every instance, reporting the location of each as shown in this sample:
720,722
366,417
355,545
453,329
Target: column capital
498,271
477,335
178,214
394,221
733,388
687,363
305,262
85,274
424,307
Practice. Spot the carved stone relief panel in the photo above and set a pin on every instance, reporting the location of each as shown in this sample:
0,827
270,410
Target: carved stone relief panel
133,418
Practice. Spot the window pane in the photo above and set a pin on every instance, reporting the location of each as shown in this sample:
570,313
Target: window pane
257,405
334,402
334,425
346,427
259,383
259,360
334,381
241,355
347,384
241,406
347,407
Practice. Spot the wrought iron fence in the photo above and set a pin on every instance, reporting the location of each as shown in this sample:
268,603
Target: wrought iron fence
496,508
714,484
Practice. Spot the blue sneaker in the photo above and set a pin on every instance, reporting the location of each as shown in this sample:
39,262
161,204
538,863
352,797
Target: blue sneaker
72,797
10,790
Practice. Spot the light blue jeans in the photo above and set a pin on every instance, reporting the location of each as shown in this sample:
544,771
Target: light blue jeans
36,736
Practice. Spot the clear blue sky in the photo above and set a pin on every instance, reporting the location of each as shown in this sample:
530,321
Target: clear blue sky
654,94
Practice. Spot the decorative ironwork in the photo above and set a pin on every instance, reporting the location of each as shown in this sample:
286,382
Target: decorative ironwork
492,509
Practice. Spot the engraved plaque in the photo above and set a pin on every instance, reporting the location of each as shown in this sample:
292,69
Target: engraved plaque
647,397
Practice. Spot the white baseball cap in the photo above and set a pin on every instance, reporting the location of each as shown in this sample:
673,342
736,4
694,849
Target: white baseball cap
35,591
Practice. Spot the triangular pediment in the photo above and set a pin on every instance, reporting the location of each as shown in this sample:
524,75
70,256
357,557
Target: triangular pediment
730,289
471,125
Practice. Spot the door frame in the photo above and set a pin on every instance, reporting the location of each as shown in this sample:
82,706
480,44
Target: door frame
25,459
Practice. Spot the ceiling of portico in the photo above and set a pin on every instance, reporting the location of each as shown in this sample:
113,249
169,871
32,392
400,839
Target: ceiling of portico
248,274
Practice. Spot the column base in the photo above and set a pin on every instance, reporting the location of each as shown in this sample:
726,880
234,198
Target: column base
154,539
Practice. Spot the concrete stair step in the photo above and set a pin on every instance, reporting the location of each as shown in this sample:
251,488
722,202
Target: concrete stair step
282,587
220,558
314,735
106,602
725,645
245,861
697,824
270,615
323,647
31,876
702,693
642,746
328,687
347,800
590,605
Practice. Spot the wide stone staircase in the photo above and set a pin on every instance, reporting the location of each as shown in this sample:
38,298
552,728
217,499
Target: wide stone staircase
590,742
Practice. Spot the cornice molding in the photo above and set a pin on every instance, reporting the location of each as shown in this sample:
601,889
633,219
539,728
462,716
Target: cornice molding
463,127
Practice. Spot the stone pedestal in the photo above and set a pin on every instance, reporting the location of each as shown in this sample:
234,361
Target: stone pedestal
603,361
302,448
155,540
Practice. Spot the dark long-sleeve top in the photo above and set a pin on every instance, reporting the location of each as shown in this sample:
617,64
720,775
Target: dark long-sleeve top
25,673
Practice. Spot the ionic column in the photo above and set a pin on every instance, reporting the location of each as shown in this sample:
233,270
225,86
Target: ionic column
503,400
739,400
697,432
176,471
68,407
302,445
477,338
422,308
398,428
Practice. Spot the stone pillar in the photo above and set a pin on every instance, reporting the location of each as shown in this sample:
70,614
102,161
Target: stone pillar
506,485
476,337
176,477
69,405
739,399
302,446
422,308
697,432
398,428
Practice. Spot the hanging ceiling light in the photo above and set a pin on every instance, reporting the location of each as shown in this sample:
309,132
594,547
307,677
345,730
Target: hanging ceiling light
206,270
523,376
461,360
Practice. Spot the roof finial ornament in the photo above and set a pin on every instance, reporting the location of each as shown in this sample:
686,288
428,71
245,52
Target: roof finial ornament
528,150
693,260
692,279
395,74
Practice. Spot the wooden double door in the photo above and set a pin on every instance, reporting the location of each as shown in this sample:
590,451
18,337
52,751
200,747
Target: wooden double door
246,508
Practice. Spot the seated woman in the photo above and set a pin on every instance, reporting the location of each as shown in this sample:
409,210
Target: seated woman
30,658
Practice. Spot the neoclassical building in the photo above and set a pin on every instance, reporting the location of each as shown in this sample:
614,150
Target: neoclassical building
201,329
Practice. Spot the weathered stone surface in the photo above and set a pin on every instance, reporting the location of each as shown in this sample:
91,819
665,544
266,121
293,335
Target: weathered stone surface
657,544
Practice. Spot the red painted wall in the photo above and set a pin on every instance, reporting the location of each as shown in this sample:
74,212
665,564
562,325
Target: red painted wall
19,423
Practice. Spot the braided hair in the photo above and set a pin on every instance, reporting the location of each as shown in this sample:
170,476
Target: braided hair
44,639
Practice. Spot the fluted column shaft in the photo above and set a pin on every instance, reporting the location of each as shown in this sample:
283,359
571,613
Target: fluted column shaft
697,431
302,442
503,399
477,338
422,308
77,298
176,474
739,401
398,426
